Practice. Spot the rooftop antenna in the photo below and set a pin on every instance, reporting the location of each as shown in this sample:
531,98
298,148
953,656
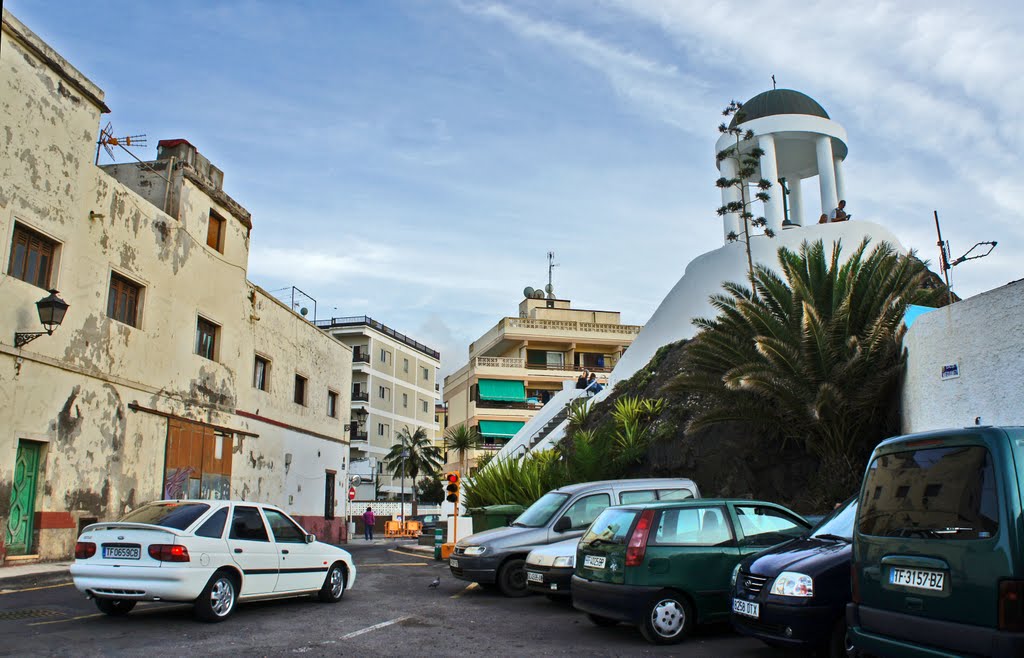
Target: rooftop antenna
550,288
107,139
944,261
773,81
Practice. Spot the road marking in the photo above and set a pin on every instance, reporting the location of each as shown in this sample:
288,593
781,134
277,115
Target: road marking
32,589
374,627
420,556
61,621
470,587
395,564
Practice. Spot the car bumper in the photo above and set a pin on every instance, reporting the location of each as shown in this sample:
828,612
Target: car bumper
476,568
140,583
553,580
797,626
886,633
625,603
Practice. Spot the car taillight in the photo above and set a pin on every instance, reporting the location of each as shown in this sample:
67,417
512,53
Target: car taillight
1011,605
84,550
854,582
638,541
168,552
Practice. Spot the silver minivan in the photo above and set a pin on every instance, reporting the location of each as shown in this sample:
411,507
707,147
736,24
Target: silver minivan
497,557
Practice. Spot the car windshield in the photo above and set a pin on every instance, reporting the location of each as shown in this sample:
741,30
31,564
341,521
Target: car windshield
541,511
169,515
839,523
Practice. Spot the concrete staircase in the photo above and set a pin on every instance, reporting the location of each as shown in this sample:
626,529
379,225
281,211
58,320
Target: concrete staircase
543,432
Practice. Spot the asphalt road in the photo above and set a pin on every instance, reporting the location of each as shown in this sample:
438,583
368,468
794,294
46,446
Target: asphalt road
390,611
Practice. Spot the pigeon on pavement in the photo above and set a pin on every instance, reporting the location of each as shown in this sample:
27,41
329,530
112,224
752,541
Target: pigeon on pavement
433,585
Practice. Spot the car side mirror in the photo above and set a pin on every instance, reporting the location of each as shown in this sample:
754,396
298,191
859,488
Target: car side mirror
310,539
563,524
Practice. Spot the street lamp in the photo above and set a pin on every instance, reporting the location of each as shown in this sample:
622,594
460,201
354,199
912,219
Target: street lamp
51,314
405,457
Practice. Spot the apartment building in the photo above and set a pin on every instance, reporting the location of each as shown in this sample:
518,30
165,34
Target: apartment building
170,374
517,366
394,386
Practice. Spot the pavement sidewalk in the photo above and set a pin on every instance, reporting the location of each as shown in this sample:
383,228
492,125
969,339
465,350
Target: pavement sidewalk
33,575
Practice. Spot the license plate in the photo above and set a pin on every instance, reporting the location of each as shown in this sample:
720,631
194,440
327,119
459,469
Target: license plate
121,552
594,561
746,608
534,577
917,578
453,563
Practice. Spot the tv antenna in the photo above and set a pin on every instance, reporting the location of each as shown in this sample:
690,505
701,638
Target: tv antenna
107,140
550,288
946,264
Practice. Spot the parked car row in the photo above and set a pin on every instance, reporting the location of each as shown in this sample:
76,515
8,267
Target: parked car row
927,560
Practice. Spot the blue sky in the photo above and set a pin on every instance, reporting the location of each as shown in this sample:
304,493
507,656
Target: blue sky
414,161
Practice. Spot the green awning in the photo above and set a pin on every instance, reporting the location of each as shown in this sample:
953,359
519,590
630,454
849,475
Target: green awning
502,390
500,429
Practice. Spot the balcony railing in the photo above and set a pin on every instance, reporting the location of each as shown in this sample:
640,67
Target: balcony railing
358,436
364,320
577,329
360,358
492,404
360,396
509,362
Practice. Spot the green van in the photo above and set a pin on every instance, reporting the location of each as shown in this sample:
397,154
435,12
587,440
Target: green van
666,566
938,547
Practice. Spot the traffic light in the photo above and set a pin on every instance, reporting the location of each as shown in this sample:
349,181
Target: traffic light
453,487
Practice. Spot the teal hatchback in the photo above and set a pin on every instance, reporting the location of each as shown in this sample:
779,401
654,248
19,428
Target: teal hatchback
667,566
938,547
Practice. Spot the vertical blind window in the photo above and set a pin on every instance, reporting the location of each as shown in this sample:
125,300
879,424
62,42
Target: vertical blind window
31,257
124,300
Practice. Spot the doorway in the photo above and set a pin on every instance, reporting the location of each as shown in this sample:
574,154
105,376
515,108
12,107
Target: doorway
21,521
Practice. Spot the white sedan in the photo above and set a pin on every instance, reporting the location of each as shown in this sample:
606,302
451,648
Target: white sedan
210,553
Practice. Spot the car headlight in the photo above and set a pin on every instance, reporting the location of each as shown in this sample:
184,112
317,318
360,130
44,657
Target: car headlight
791,583
475,550
735,575
565,561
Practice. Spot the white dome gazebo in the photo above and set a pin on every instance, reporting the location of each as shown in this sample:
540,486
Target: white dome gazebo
799,141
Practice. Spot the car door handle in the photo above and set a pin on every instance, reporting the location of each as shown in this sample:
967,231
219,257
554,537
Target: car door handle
238,550
284,552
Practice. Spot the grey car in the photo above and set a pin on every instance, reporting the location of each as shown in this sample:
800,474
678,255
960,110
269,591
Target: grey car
498,557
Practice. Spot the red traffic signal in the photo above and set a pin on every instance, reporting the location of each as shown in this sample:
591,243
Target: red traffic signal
452,488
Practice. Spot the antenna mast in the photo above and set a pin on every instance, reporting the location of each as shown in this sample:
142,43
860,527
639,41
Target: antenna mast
944,262
551,266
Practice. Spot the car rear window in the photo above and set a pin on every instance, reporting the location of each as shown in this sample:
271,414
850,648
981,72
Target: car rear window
611,527
169,515
931,493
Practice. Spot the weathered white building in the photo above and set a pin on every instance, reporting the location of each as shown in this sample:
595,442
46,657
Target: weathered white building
171,374
964,363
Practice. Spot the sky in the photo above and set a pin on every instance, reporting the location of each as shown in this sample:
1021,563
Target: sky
415,161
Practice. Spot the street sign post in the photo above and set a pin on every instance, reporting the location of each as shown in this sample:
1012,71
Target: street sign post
351,493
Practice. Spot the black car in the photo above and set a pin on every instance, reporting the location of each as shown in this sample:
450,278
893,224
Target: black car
795,594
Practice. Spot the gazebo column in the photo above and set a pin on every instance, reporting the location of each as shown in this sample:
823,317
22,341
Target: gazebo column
796,200
826,174
840,179
730,222
773,211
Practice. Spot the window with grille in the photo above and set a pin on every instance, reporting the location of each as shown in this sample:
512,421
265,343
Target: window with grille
206,339
31,257
123,301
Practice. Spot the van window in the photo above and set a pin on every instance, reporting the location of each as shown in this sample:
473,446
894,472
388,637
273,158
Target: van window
936,493
630,497
611,527
765,526
693,526
674,494
583,512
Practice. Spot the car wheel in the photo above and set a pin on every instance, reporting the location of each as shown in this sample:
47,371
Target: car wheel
334,585
115,607
603,622
840,645
669,619
512,578
219,598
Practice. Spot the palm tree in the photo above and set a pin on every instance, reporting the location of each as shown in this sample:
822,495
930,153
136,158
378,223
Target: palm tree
418,455
813,356
460,440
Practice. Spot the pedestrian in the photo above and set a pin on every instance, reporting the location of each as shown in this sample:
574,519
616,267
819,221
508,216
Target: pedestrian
594,386
582,382
839,214
368,520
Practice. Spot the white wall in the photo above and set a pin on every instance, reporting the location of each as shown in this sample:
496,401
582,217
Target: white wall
984,337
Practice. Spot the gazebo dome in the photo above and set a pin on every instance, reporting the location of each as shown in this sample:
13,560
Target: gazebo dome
780,101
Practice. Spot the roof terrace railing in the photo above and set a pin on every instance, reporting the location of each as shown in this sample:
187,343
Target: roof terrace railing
365,320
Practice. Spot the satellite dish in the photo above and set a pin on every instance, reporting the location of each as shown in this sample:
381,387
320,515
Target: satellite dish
538,294
355,480
304,311
528,291
549,288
